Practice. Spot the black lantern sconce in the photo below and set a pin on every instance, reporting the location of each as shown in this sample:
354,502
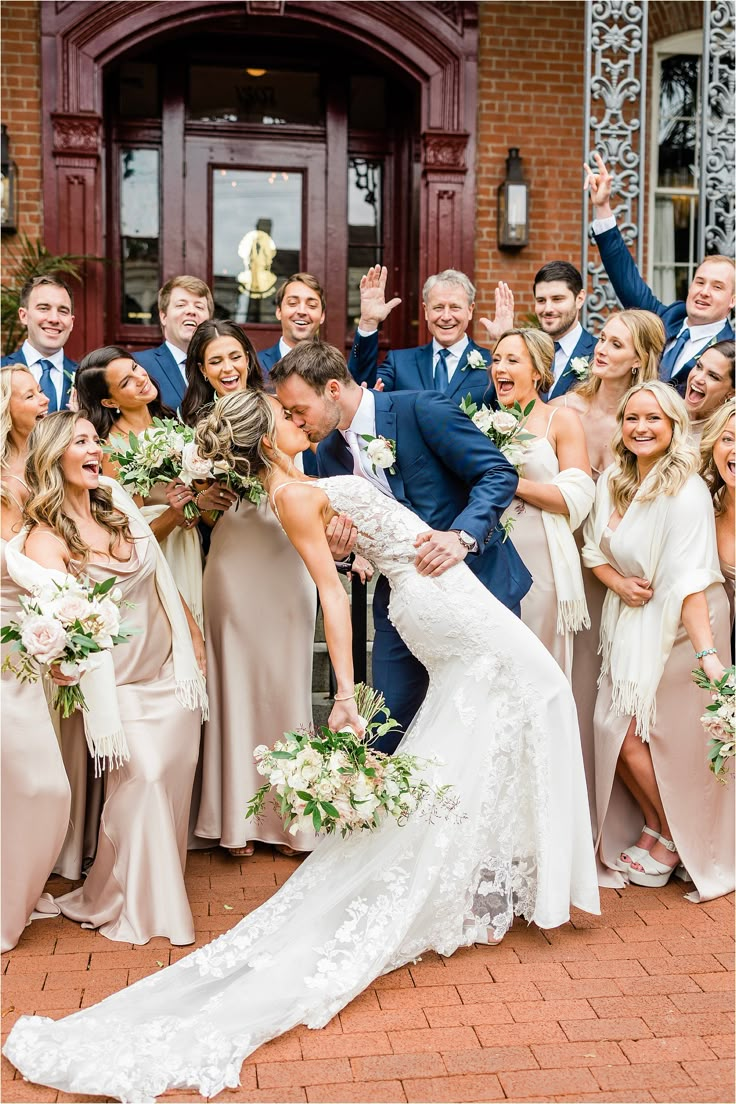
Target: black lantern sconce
513,205
8,186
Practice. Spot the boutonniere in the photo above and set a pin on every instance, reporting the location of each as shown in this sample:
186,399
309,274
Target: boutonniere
580,366
475,360
381,452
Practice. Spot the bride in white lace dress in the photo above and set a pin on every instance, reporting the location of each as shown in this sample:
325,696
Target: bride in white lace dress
500,715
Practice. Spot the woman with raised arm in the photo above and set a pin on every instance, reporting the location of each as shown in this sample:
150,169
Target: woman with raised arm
35,789
627,352
718,469
82,524
554,495
709,385
259,646
498,713
651,541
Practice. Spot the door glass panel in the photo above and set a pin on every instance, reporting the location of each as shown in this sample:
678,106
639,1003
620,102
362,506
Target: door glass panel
139,234
268,96
365,226
257,239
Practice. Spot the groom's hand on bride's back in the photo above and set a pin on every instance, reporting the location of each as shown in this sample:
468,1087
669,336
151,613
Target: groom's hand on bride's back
437,551
341,536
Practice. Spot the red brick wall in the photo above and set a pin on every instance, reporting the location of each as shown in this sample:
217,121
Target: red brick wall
20,88
531,79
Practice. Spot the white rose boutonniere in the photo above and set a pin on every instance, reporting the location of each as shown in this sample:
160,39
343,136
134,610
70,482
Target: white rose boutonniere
381,452
475,360
580,366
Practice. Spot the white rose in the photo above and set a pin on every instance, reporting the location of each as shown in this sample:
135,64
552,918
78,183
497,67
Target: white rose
475,359
309,764
193,466
483,419
220,467
68,608
260,751
503,422
379,453
109,616
71,670
44,638
178,442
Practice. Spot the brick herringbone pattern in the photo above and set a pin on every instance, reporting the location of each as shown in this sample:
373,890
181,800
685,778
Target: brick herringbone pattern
634,1005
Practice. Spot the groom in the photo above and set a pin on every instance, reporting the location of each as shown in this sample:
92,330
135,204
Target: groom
444,469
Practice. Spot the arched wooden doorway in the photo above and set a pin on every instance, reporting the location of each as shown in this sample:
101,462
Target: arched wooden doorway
359,144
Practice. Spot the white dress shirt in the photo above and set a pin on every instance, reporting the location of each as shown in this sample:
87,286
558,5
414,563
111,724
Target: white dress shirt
700,338
179,356
567,344
284,348
364,421
32,357
456,351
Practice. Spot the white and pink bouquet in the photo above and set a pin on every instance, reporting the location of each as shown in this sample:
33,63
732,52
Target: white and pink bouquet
65,625
719,720
334,781
167,451
504,427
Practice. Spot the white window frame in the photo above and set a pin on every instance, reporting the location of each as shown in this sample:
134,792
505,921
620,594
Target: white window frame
689,42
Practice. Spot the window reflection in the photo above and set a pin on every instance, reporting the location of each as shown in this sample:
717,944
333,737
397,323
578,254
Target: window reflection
365,226
270,97
678,121
139,234
257,238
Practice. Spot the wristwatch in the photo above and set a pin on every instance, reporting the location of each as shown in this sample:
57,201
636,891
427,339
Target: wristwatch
469,543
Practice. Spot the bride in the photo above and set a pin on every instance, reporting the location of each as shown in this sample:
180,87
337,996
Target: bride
498,713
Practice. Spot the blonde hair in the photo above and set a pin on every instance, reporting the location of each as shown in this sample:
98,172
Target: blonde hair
672,470
6,421
47,490
541,349
233,430
712,431
649,339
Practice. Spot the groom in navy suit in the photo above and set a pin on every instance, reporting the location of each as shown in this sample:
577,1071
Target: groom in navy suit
445,470
47,311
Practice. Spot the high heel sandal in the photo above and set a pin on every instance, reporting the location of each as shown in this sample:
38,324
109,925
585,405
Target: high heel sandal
634,853
653,872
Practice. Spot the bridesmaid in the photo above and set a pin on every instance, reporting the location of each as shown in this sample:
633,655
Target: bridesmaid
82,524
709,385
651,540
259,639
35,789
718,469
554,495
627,352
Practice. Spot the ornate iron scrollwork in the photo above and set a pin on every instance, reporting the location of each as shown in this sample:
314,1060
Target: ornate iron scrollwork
718,131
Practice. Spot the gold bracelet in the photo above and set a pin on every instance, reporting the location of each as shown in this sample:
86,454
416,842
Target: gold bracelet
345,697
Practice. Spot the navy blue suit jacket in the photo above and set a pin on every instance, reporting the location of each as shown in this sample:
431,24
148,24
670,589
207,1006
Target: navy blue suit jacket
448,473
584,348
413,370
634,293
268,357
161,366
70,367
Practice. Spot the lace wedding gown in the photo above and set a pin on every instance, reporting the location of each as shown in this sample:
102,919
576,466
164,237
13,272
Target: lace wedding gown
500,715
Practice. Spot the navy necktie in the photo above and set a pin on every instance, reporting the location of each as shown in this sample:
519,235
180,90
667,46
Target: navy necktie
557,346
441,378
669,360
47,385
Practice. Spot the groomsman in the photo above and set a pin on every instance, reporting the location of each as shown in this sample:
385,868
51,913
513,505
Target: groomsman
183,302
444,469
558,299
300,308
691,326
451,362
47,311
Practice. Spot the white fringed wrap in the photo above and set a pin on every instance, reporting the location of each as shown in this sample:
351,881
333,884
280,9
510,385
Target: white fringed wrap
102,725
671,541
183,552
578,491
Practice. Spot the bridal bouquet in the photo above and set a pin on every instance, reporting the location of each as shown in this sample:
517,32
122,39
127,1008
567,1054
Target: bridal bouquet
719,720
67,624
504,427
333,781
166,451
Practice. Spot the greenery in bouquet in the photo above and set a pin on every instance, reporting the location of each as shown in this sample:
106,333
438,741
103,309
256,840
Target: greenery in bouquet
335,781
67,625
719,720
504,427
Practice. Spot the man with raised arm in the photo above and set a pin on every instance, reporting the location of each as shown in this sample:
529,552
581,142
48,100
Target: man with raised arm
691,326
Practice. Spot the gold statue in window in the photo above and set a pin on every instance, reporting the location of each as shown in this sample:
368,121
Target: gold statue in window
257,250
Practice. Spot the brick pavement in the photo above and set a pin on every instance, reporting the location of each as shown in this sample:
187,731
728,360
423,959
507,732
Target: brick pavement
634,1005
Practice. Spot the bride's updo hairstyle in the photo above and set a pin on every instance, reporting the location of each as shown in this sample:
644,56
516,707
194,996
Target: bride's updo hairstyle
234,429
47,444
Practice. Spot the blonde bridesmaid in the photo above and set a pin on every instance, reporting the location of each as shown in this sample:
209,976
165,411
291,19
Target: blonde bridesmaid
35,789
718,469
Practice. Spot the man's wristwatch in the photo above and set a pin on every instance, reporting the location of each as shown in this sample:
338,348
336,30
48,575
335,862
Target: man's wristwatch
469,543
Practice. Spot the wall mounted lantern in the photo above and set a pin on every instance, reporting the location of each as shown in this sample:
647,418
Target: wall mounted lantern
513,205
8,182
